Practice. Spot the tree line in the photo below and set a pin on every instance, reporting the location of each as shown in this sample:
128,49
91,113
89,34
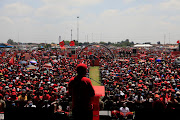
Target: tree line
122,43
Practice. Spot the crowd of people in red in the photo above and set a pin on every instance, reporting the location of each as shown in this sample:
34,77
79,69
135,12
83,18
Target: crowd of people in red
36,79
40,78
146,80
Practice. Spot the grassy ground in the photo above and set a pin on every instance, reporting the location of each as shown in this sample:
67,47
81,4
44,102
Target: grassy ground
94,73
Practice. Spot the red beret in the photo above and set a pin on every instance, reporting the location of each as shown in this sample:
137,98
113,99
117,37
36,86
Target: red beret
82,65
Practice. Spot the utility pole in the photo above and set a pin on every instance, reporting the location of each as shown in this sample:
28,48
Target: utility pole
87,38
92,37
169,38
164,39
18,39
59,39
71,34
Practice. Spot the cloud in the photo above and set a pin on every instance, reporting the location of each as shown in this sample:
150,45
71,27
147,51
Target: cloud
76,3
53,18
128,1
138,23
16,9
143,9
56,11
170,5
61,8
6,20
175,18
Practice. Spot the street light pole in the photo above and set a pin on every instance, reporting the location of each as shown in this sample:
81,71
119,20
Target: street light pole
77,28
71,34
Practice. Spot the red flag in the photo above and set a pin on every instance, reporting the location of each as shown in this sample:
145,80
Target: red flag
89,53
72,43
3,54
11,61
86,48
178,41
61,44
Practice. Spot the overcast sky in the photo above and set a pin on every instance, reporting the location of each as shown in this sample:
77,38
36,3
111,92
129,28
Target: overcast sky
99,20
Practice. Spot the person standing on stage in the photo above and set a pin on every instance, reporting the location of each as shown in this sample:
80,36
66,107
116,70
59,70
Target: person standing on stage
82,92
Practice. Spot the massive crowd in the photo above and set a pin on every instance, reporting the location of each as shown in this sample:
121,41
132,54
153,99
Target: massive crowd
40,78
36,79
147,80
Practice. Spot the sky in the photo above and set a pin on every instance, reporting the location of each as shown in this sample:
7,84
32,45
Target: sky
43,21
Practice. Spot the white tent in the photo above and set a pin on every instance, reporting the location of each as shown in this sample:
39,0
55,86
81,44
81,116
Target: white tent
142,45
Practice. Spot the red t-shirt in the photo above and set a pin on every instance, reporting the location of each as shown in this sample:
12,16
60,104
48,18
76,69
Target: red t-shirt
81,90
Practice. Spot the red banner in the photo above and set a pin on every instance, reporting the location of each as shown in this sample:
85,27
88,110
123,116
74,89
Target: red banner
178,41
61,44
72,43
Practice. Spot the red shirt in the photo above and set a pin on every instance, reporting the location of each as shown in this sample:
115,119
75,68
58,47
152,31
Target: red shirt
81,90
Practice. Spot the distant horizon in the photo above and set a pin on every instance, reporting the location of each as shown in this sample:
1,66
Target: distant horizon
90,43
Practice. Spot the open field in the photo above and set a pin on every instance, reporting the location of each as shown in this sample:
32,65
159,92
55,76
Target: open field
94,73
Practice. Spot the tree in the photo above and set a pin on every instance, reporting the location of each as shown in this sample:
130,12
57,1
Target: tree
76,42
47,46
101,42
10,41
158,42
66,42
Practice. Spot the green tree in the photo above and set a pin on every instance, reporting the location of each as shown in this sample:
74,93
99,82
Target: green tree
76,42
66,42
101,42
10,41
47,46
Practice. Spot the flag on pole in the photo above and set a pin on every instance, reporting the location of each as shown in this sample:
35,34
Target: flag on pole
178,41
3,54
72,43
61,43
89,53
11,61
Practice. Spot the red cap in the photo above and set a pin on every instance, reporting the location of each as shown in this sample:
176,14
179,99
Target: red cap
41,88
13,93
82,65
13,90
1,95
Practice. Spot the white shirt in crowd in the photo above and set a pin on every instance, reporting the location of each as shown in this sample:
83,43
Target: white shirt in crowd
124,110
